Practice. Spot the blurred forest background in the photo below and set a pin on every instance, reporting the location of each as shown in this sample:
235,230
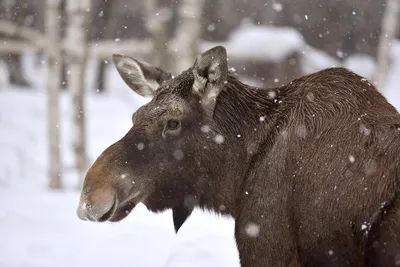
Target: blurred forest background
269,42
62,103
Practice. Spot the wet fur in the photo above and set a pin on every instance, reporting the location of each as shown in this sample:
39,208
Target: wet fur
302,188
292,174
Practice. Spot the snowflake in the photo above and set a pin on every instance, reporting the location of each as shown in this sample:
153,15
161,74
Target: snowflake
140,146
252,229
205,129
277,7
178,154
219,139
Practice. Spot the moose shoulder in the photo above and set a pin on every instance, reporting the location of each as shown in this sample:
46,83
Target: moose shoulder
309,171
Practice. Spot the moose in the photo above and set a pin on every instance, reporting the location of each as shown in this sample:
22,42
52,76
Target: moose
310,171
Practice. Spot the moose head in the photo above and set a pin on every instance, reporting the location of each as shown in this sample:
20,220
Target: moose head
174,154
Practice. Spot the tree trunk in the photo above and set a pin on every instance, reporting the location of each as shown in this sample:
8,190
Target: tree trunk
77,53
388,31
63,29
16,76
156,24
107,33
188,33
101,76
53,84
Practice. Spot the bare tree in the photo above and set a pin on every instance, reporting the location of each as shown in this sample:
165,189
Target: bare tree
76,49
389,28
77,54
184,45
18,12
53,89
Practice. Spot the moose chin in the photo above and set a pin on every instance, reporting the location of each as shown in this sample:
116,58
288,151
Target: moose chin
312,166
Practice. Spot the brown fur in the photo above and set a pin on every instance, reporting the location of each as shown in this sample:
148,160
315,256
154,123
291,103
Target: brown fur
318,175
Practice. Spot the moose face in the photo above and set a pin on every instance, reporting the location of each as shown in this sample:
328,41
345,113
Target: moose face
166,155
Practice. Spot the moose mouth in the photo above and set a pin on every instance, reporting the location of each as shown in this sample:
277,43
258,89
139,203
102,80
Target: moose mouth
122,211
118,211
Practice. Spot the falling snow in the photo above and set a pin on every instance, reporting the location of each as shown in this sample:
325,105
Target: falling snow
219,139
301,131
271,94
370,167
252,229
364,130
205,129
211,27
140,146
37,237
178,154
310,96
277,7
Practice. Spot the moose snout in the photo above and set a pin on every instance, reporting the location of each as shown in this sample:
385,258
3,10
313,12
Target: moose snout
99,206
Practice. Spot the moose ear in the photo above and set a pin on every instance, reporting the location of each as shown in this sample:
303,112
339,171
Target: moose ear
210,73
141,77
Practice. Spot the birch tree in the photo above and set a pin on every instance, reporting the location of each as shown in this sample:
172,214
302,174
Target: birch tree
76,49
53,88
388,31
184,46
77,54
18,12
108,26
156,24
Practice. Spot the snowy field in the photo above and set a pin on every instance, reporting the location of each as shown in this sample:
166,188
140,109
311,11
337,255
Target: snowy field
39,228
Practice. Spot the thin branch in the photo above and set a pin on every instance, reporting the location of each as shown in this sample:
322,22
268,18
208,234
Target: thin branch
17,47
31,35
104,49
101,50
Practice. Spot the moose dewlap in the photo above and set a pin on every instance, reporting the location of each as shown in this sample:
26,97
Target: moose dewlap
310,171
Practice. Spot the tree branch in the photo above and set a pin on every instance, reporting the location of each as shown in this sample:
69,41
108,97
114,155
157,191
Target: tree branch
16,47
104,49
31,35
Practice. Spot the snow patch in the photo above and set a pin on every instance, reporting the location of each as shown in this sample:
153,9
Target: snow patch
363,65
266,43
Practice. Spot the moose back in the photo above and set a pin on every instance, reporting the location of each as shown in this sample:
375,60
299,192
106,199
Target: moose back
309,171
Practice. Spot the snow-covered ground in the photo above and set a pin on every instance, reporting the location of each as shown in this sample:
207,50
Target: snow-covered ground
39,228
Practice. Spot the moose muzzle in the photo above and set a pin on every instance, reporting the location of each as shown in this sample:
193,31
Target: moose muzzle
99,207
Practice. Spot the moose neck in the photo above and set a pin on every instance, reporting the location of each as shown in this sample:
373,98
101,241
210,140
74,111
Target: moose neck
244,112
246,117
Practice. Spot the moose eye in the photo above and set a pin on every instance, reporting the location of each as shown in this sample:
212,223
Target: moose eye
173,124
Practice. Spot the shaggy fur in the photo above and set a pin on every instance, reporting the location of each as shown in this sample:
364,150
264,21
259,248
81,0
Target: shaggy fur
309,171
